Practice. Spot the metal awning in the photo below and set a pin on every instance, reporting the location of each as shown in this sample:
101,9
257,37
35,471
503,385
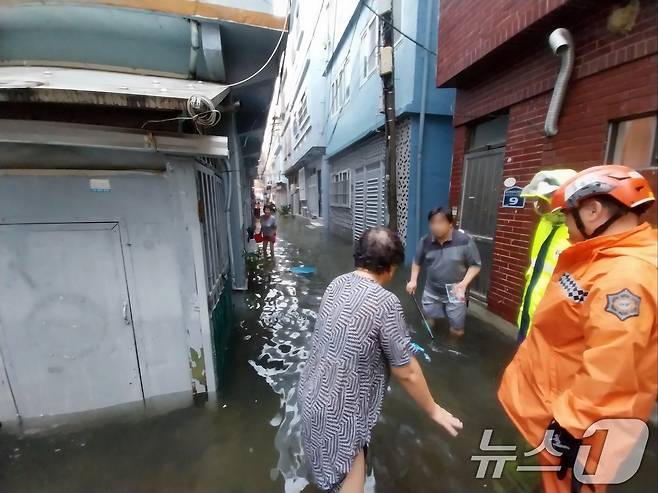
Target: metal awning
54,84
112,138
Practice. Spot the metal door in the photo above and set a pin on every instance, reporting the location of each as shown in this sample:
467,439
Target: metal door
312,194
66,330
368,199
483,172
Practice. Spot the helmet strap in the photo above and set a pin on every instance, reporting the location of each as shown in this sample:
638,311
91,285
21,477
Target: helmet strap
579,224
601,229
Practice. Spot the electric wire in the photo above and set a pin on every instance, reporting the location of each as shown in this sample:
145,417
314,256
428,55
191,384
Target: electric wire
211,117
398,30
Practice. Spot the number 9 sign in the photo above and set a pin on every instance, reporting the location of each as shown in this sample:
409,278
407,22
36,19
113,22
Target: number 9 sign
512,198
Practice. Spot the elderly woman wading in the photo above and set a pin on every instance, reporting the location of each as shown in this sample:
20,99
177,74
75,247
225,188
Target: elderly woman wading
360,338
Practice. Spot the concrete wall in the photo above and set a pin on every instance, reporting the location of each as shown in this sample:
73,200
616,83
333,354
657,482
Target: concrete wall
302,76
363,113
410,58
160,240
434,175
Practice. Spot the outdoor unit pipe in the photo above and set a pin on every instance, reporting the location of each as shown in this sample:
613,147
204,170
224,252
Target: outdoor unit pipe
561,43
194,48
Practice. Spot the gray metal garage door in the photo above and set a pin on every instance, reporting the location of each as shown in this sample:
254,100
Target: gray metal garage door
66,330
369,199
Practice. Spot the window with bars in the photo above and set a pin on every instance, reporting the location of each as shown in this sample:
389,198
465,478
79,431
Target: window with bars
369,42
214,228
340,189
301,120
340,89
632,142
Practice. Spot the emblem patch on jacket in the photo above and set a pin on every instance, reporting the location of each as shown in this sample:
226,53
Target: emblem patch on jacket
572,289
623,304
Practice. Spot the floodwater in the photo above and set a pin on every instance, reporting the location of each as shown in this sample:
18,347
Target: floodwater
248,439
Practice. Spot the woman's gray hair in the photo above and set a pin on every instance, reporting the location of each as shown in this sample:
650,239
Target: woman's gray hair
378,250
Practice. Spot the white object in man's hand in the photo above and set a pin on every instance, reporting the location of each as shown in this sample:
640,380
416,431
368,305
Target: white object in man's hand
442,417
460,291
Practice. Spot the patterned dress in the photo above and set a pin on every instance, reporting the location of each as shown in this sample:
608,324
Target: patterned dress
360,332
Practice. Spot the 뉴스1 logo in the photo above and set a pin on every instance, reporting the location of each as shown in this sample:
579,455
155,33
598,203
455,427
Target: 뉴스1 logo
621,455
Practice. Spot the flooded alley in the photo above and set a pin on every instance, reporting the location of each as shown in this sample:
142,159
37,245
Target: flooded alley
248,440
504,151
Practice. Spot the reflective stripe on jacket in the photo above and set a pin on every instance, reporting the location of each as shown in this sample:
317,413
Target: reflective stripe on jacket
550,239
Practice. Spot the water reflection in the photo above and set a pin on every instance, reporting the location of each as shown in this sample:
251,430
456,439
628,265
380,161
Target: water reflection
249,440
408,452
282,357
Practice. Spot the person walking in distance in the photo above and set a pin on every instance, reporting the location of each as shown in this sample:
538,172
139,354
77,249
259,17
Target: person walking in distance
268,229
452,261
360,338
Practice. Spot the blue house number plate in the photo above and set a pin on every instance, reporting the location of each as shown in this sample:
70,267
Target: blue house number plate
512,198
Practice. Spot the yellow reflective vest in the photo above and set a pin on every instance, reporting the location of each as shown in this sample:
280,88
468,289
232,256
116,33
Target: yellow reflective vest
550,239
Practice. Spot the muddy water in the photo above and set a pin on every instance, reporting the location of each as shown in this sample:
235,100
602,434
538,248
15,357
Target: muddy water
248,440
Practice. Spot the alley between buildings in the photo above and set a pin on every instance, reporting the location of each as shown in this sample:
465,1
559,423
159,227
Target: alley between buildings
248,440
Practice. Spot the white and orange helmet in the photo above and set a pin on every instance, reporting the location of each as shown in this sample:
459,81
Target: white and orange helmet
625,185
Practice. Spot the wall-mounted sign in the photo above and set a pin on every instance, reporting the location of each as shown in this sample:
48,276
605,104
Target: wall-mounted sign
512,198
509,182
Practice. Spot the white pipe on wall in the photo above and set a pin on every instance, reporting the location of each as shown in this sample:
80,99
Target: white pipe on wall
562,45
194,48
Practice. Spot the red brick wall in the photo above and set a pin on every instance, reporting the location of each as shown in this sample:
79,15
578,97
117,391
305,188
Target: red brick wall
597,49
469,29
615,77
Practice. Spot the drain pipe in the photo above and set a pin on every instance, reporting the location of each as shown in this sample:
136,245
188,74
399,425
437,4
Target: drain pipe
561,43
194,48
423,110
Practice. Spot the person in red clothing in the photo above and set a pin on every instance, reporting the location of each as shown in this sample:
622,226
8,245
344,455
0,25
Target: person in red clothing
268,229
592,352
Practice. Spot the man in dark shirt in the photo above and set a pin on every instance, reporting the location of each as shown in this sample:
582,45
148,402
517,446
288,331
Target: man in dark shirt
452,261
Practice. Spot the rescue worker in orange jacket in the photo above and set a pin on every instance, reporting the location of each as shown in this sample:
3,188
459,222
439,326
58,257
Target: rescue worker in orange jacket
591,353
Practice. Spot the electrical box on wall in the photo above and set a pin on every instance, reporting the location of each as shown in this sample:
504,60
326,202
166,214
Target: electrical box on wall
385,60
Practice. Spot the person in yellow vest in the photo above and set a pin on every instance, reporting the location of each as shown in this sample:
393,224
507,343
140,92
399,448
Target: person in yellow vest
582,385
550,239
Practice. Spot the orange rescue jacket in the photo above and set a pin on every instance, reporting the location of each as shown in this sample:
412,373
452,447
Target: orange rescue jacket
591,353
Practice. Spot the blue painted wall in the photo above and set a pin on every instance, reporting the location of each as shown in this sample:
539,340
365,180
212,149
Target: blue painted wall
304,68
435,174
362,115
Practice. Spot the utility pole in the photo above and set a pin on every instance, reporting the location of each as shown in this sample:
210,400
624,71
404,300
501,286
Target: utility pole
387,74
